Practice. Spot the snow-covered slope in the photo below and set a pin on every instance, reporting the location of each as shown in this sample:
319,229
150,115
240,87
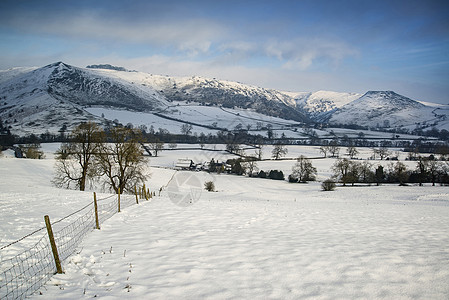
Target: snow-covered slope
319,103
385,109
27,105
53,97
253,238
6,75
215,92
90,87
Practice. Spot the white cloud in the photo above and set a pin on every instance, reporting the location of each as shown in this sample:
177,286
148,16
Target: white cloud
185,35
301,53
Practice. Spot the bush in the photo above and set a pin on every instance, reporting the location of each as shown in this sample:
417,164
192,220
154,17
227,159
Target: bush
292,179
33,151
262,174
328,185
209,186
276,175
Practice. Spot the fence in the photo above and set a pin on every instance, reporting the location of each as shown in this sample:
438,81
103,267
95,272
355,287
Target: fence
29,270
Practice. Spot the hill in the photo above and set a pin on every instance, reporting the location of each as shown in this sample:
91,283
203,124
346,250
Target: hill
387,109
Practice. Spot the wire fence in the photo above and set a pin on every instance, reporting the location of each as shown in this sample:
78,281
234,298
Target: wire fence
29,270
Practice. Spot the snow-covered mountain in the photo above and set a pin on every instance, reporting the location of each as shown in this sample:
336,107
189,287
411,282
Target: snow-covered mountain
223,93
55,96
386,109
59,96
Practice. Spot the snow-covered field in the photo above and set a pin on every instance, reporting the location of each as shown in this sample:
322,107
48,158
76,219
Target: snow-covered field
229,119
253,238
211,116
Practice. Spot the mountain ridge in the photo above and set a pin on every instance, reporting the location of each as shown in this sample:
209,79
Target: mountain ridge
57,94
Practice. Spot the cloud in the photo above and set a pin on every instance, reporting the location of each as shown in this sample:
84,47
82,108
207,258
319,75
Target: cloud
318,44
299,53
194,35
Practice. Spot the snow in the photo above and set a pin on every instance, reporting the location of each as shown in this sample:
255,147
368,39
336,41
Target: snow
376,108
6,75
221,249
321,102
253,238
198,114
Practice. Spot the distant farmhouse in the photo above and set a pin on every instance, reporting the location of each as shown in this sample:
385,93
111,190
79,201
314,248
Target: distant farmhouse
185,164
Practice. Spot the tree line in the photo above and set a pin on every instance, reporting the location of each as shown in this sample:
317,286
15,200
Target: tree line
427,170
345,171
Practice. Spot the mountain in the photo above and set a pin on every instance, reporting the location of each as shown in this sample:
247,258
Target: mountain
59,96
53,97
385,109
223,93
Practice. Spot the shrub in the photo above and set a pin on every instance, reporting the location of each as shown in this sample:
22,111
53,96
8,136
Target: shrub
276,175
33,151
292,179
209,186
328,185
262,174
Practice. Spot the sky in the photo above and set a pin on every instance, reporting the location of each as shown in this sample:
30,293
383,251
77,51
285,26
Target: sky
343,46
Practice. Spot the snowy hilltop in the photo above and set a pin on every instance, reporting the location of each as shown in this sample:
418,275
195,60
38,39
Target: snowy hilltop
387,109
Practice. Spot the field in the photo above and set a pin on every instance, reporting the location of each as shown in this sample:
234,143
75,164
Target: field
252,238
229,119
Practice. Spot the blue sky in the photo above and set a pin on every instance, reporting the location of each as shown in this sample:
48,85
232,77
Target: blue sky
347,46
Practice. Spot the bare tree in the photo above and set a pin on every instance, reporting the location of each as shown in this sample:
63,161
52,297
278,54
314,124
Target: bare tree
352,152
122,162
334,150
233,147
382,152
250,166
435,169
429,169
365,172
270,133
342,169
75,160
259,152
397,172
324,150
156,145
303,170
421,168
186,129
279,151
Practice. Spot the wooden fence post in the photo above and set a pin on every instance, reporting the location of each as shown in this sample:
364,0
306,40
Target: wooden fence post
53,245
97,223
118,199
135,192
